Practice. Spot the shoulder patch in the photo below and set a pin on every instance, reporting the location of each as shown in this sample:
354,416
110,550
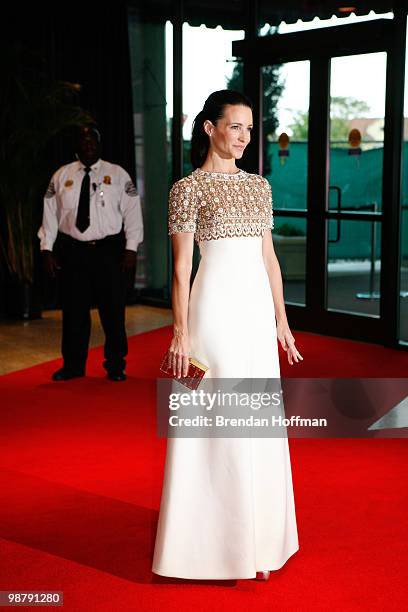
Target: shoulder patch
50,190
130,189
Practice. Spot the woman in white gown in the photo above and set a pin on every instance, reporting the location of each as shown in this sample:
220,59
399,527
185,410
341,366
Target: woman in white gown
227,507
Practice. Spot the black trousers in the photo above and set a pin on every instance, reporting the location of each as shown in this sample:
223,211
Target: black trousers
91,274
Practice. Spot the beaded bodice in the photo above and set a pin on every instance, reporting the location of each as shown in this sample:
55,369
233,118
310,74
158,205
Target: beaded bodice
219,205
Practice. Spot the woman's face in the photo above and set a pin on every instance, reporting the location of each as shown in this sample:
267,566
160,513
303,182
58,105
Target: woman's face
232,132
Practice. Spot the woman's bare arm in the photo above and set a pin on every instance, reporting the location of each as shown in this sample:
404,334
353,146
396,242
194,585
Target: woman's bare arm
275,280
183,246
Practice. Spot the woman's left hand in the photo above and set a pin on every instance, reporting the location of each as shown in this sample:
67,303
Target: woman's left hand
287,341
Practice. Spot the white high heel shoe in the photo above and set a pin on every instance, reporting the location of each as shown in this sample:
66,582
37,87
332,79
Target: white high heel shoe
264,575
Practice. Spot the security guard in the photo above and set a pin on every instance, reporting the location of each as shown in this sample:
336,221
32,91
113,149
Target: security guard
94,210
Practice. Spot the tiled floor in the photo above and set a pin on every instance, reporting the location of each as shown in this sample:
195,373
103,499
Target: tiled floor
26,343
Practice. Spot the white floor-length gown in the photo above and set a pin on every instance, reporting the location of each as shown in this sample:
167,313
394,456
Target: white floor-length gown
227,508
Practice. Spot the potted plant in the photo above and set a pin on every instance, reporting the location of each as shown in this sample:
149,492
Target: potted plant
290,244
34,109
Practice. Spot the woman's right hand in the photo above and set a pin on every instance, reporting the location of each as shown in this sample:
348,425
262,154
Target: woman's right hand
179,353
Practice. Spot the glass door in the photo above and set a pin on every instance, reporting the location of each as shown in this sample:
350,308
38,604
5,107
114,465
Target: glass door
285,165
329,150
357,108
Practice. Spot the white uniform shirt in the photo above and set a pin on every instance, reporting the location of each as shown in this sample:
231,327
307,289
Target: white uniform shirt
113,201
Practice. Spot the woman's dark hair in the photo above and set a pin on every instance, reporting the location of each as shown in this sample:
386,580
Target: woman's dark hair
213,110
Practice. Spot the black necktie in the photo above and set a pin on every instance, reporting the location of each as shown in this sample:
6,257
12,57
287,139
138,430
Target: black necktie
82,219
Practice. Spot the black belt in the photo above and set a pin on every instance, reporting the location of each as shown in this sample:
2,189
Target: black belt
101,241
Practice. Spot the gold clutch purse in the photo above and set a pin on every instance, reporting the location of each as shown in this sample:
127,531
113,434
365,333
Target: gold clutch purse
196,371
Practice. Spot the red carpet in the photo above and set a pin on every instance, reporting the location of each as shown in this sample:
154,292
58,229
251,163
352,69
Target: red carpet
81,470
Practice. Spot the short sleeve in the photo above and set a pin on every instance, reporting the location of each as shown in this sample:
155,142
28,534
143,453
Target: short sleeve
269,204
182,214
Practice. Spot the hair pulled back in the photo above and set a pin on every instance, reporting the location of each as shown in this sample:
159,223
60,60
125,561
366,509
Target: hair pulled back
213,110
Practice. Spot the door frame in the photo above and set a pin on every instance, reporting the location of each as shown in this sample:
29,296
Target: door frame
319,46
